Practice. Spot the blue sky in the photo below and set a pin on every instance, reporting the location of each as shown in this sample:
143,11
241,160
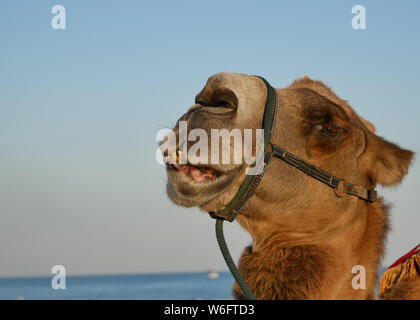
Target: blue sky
80,108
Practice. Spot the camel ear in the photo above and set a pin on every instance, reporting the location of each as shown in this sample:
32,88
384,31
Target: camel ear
390,162
369,125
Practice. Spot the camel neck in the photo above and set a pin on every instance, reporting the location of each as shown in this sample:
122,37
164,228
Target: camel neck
322,265
263,230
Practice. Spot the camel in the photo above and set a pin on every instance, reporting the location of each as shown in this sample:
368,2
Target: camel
305,239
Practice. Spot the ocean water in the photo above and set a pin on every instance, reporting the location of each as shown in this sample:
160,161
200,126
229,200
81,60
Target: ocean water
178,286
133,287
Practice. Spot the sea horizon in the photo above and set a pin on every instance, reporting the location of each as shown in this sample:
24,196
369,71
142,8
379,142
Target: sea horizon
141,286
112,274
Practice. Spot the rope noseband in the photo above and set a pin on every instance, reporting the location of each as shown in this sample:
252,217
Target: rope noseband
251,182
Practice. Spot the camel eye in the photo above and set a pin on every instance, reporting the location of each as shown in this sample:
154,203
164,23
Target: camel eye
331,129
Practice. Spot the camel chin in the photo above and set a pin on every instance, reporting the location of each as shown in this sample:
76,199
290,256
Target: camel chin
188,190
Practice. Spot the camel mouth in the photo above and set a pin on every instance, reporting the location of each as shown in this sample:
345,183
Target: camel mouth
196,173
194,185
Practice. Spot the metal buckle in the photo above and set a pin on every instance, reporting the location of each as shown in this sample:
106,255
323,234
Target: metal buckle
340,190
334,182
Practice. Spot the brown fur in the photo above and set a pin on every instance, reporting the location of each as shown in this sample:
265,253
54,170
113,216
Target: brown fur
322,269
306,240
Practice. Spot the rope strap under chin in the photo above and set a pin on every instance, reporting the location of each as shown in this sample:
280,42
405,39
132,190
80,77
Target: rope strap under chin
229,261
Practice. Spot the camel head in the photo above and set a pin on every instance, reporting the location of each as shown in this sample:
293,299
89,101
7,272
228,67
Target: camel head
312,123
